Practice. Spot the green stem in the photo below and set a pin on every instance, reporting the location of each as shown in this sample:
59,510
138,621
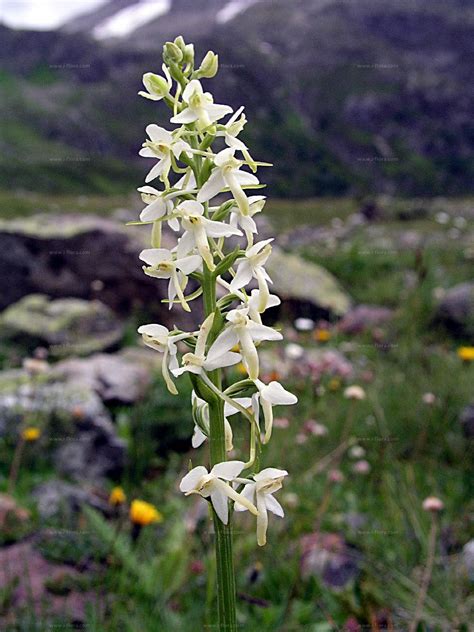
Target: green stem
223,533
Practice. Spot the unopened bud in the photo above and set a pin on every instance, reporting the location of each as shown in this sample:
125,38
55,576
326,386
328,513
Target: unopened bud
172,53
155,84
209,66
188,57
180,43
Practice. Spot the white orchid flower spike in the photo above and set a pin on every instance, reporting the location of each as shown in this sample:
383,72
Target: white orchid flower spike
215,485
267,482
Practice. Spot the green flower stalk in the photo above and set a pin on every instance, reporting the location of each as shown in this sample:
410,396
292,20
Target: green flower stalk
206,175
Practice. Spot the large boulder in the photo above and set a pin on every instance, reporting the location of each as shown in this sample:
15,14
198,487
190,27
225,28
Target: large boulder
58,498
307,287
456,308
122,377
364,318
68,326
82,256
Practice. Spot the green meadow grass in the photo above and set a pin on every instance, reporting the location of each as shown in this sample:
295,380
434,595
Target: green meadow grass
164,580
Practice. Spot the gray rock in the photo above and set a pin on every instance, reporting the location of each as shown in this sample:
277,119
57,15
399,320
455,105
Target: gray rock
306,284
57,497
69,326
364,317
77,427
456,308
82,256
467,421
93,453
122,377
467,557
46,397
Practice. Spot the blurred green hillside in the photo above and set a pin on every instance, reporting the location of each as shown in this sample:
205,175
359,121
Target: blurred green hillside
343,97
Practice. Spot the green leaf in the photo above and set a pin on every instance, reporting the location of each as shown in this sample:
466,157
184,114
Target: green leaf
227,262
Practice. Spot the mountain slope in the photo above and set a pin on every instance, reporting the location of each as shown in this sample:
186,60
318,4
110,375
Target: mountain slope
344,97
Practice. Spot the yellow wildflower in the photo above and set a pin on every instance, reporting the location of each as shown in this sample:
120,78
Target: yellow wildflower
466,353
334,384
322,335
143,513
117,496
31,434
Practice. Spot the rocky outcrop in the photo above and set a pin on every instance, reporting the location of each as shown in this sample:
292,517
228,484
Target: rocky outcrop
364,317
117,378
77,427
68,326
307,287
86,257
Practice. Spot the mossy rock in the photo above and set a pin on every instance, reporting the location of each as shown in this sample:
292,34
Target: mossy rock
69,326
300,281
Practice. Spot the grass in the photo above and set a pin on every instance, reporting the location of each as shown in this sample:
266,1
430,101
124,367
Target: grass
164,580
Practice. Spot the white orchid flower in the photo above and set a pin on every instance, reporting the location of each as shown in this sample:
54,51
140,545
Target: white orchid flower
161,145
159,204
202,433
215,484
267,482
200,107
227,174
198,228
246,222
157,87
217,357
251,266
163,265
245,332
158,337
231,130
255,302
272,394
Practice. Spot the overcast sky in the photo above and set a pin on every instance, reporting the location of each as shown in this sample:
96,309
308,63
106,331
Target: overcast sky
43,14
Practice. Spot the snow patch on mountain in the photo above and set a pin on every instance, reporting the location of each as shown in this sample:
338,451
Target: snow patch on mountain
44,15
129,19
233,8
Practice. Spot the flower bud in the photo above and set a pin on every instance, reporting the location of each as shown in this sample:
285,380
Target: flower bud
180,43
209,66
155,84
433,504
188,56
172,53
